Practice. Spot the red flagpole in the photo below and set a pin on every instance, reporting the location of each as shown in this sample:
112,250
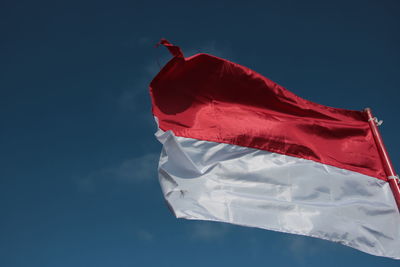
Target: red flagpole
387,163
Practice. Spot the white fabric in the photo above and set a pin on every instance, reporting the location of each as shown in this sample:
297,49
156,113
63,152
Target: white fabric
221,182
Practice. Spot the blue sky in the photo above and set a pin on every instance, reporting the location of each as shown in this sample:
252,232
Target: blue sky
78,182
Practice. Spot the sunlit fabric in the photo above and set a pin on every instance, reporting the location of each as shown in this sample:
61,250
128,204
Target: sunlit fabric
242,149
220,182
210,98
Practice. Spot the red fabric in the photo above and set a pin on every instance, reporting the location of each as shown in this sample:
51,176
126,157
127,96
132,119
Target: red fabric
212,99
173,49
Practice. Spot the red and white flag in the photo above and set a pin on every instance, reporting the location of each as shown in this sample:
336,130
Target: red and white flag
239,148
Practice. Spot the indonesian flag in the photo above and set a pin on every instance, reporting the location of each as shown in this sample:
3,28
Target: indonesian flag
239,148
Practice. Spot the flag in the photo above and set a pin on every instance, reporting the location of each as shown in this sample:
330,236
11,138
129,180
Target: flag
241,149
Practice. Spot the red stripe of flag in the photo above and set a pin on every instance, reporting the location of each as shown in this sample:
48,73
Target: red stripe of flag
220,101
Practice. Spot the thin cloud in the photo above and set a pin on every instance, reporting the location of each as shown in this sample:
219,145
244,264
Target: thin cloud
302,247
144,40
130,100
212,48
138,169
134,170
144,235
208,231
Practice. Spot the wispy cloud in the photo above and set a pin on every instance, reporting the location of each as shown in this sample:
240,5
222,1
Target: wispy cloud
129,99
134,170
212,48
302,247
144,40
144,235
208,231
137,169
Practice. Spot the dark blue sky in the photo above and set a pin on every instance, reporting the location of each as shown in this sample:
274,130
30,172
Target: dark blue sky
78,182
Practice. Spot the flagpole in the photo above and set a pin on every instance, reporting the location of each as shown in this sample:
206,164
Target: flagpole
387,163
